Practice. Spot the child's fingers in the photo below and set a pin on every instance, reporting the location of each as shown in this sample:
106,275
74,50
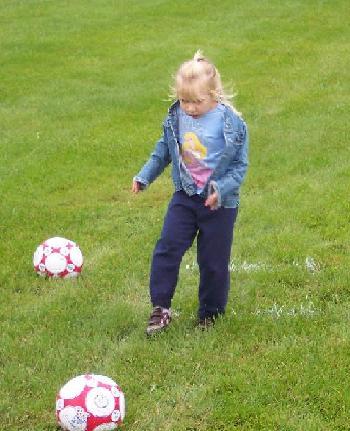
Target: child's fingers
212,201
209,203
135,187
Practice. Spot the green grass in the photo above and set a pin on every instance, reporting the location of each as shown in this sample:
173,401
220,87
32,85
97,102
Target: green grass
82,96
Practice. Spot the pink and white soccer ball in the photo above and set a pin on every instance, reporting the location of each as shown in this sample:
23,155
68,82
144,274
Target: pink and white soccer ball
58,257
90,403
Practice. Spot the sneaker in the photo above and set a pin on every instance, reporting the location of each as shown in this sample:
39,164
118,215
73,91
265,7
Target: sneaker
159,320
206,323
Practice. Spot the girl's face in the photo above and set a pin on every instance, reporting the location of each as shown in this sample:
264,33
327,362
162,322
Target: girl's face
198,107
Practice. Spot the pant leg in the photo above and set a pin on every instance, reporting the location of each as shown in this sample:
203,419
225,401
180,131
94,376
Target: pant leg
178,233
214,242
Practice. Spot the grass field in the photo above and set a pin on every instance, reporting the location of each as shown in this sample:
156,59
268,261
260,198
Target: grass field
83,89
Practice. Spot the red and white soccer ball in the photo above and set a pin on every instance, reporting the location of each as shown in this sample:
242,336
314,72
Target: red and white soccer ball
58,257
90,403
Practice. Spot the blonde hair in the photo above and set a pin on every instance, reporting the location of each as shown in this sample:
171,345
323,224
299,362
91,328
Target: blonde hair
198,77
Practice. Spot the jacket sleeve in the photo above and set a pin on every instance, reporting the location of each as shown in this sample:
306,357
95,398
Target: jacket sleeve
158,161
230,182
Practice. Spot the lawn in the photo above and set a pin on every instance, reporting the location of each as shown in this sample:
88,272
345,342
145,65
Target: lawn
83,91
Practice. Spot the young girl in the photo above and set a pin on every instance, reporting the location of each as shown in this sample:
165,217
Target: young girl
205,140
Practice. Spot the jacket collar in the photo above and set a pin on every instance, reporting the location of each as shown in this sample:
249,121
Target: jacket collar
176,103
228,116
173,107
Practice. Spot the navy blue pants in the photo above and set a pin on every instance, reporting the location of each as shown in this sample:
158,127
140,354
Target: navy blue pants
186,218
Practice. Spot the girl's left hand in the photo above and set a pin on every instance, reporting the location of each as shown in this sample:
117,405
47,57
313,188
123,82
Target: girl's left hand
212,201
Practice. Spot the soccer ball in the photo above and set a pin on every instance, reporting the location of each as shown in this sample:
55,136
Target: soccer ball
90,403
58,257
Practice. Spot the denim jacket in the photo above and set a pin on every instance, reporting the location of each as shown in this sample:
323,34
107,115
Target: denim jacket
226,177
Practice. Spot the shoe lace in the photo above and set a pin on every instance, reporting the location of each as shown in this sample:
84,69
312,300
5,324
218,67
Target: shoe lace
156,316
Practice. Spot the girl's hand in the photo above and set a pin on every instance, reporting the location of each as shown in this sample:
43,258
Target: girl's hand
212,201
136,186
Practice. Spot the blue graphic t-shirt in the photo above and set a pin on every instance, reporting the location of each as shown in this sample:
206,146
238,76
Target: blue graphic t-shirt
202,142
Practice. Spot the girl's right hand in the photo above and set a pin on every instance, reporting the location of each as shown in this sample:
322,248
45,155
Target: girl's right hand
136,186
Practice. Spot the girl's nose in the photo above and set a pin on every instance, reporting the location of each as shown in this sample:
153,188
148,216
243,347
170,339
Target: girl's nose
191,109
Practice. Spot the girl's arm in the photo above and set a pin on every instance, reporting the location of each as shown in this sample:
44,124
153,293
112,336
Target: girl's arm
158,161
231,181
